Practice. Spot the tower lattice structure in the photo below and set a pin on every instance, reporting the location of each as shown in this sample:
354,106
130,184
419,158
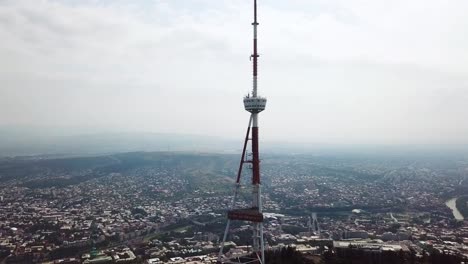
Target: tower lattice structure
254,104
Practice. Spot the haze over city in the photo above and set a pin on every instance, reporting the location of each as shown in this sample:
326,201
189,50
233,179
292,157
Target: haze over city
233,131
334,72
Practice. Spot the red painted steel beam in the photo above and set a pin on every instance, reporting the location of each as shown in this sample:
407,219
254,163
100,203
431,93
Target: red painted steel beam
255,157
239,172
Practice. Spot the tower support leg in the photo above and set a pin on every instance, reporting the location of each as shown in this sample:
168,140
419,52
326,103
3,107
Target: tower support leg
262,244
226,231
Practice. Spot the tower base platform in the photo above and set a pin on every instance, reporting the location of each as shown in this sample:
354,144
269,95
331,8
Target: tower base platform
250,214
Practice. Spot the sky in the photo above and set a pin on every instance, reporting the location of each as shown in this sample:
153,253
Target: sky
334,71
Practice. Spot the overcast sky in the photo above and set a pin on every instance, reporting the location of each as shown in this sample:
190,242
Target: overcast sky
342,72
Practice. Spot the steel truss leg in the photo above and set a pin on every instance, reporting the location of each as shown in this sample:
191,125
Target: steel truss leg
224,240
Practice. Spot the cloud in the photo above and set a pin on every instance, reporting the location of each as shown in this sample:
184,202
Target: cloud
341,71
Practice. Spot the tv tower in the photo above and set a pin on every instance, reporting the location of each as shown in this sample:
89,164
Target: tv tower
253,104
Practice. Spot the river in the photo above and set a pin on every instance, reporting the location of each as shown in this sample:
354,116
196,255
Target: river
452,204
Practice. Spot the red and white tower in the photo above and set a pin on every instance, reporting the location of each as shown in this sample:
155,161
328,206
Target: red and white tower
253,104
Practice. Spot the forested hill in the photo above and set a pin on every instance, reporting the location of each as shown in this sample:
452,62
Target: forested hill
36,172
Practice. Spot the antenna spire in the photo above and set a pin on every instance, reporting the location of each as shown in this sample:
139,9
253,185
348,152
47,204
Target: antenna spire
255,51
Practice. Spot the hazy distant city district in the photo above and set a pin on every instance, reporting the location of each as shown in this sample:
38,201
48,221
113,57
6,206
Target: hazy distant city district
162,205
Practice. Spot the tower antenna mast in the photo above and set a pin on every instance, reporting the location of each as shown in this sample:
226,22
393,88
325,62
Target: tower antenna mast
254,215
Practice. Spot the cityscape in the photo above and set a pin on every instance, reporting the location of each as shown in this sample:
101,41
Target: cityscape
123,138
166,207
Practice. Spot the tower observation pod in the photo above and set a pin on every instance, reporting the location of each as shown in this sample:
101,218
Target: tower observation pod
252,214
254,104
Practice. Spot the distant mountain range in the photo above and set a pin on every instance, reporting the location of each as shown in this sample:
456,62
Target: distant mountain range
25,141
28,143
